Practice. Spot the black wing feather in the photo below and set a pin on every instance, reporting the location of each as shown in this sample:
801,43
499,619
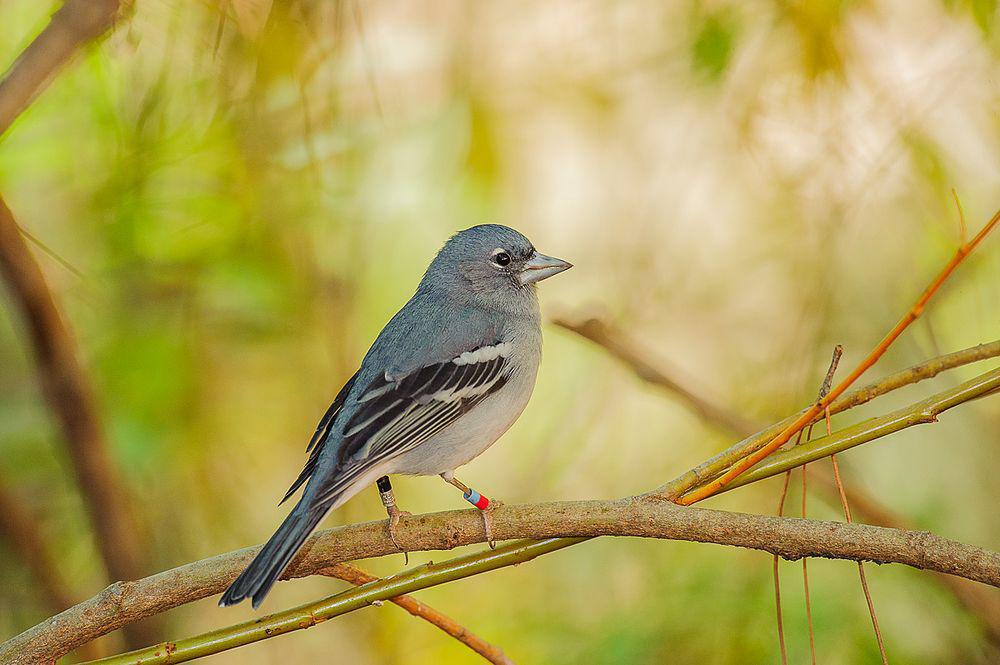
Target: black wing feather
403,412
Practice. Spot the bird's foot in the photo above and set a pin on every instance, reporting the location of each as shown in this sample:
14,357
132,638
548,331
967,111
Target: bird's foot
487,514
486,508
484,504
394,514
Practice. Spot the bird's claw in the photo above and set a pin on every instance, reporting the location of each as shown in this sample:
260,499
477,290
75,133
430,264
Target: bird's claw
487,514
394,515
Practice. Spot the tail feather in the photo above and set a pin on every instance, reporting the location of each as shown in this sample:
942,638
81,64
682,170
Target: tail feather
274,557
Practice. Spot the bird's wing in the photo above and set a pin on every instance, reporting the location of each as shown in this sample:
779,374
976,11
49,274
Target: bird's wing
395,414
320,436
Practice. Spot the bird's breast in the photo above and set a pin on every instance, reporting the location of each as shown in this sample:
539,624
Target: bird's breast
480,428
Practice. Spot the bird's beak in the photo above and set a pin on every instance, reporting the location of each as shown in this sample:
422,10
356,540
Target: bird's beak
540,267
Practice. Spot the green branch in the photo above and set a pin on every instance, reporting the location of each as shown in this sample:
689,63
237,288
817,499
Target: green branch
926,411
720,463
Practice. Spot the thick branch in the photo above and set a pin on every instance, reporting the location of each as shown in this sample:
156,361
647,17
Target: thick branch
786,537
68,391
76,23
124,602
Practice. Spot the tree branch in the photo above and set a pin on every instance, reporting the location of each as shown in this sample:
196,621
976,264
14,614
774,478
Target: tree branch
357,577
787,537
125,602
68,391
76,23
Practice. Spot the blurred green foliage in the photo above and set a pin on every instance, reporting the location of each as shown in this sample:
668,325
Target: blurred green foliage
741,185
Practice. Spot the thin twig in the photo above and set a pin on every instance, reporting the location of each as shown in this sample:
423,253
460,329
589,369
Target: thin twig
777,580
357,577
861,566
963,233
614,341
824,389
220,27
847,515
749,459
805,578
923,412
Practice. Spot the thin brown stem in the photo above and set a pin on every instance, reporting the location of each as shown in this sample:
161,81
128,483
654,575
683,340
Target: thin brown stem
615,342
357,577
805,577
861,566
777,581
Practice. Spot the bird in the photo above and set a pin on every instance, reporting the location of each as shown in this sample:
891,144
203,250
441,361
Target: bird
444,379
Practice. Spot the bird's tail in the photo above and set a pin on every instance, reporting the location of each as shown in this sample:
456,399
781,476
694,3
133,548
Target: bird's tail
274,557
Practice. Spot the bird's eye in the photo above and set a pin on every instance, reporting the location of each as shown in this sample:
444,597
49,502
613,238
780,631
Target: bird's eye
501,258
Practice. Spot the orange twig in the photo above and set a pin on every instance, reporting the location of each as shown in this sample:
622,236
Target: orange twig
810,414
357,577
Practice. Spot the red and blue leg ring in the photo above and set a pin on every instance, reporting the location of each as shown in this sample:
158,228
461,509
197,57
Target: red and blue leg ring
476,499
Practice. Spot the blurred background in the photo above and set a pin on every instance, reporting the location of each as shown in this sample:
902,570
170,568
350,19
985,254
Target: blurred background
231,209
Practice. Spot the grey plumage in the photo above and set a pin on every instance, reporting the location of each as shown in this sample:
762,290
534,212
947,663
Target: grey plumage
446,377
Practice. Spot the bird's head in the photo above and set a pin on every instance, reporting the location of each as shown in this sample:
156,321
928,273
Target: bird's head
492,262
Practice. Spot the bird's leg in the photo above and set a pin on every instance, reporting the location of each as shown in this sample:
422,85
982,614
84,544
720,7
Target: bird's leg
478,500
389,501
